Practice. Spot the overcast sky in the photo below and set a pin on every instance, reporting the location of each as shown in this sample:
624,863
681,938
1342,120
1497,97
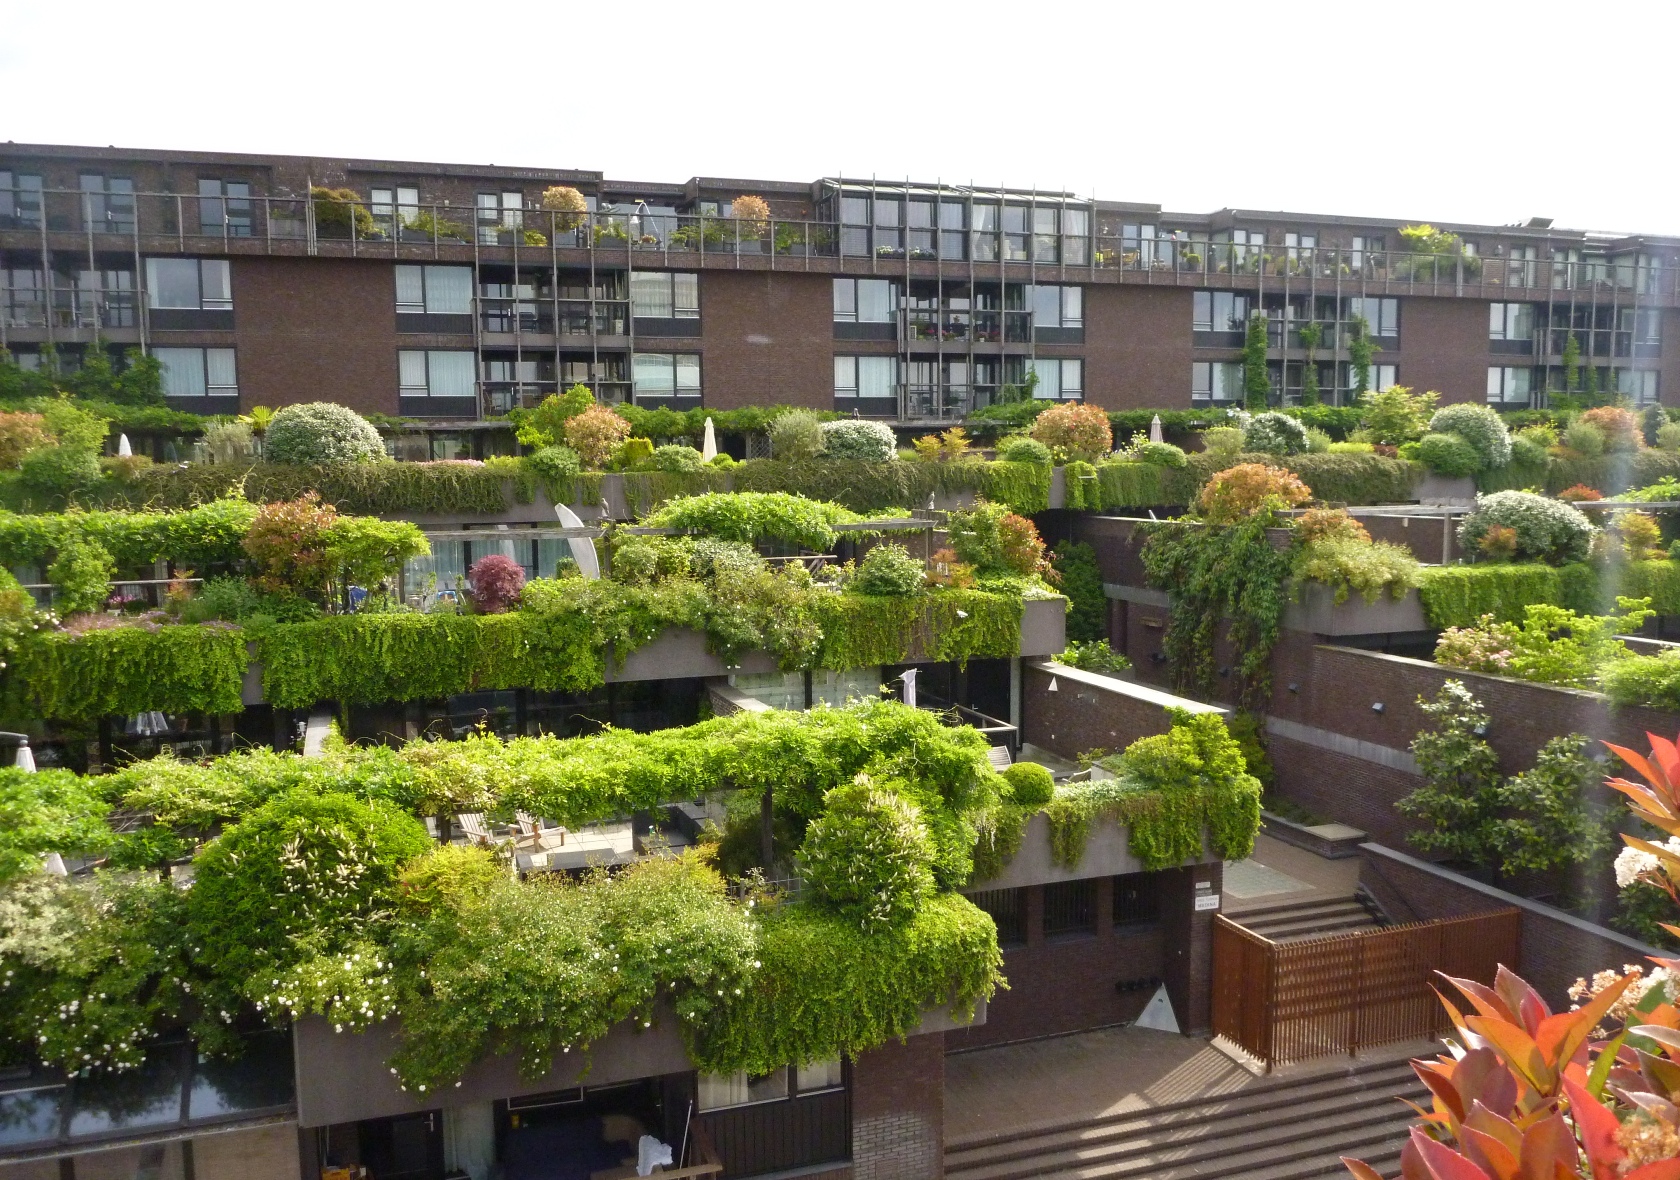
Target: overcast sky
1466,111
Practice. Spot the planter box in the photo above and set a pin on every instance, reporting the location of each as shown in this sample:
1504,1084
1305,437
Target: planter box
1331,841
1317,611
1108,853
1446,490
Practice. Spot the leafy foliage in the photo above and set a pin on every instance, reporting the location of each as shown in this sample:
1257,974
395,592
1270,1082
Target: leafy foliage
1082,582
1030,785
1478,425
81,576
495,583
870,442
1250,491
1652,681
1459,798
1272,433
1093,656
995,540
595,433
1073,430
796,435
48,811
1396,415
753,516
868,855
1021,448
1347,564
1547,530
1448,454
889,570
1553,645
319,434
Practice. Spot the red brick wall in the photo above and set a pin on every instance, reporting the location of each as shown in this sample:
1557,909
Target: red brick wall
769,339
898,1110
1079,717
1443,346
1668,384
316,329
1344,788
1137,347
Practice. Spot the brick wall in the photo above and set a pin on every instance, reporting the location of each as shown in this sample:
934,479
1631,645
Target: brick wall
1137,347
1443,346
1078,717
1344,788
769,339
1556,948
898,1110
317,329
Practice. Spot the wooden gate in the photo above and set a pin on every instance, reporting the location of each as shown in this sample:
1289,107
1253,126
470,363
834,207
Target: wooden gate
1285,1001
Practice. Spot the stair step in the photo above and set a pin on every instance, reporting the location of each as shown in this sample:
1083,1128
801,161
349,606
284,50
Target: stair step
1351,1118
1340,925
1388,1077
1254,921
1285,907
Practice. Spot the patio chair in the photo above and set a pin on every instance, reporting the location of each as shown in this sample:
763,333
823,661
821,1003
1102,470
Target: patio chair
999,757
473,827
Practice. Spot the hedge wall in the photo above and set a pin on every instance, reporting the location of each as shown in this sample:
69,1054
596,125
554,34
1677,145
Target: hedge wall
1458,595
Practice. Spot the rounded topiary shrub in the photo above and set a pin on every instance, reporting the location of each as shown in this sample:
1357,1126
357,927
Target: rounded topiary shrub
795,435
1546,530
1020,448
555,463
869,855
316,434
675,458
301,865
1481,427
495,583
1448,454
872,442
1160,454
1030,784
890,571
1273,433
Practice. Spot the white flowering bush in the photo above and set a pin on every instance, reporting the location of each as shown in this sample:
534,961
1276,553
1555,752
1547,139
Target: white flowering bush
1273,433
317,434
869,854
855,438
1480,426
1547,530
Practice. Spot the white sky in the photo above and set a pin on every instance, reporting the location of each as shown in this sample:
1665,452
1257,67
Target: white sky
1468,111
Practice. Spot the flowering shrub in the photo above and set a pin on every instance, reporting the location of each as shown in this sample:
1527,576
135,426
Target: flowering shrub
1580,494
287,541
495,583
1249,489
566,201
1483,648
316,434
1480,426
1621,428
1273,433
1546,529
1323,524
20,434
868,854
1073,430
595,434
753,213
855,438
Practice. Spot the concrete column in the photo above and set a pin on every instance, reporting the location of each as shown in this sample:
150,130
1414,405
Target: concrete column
1189,942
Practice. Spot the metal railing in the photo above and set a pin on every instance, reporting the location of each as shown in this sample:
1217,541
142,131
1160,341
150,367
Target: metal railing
312,224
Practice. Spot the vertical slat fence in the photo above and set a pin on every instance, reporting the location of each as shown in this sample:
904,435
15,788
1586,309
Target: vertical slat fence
1287,1001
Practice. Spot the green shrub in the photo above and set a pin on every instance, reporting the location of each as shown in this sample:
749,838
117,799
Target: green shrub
48,811
855,438
1478,425
1160,454
632,454
1318,443
317,434
1459,595
1448,454
675,457
545,424
1529,454
868,854
81,575
1585,438
1651,681
1030,784
889,571
1395,415
1223,440
556,466
1022,448
1547,530
59,471
796,435
1093,655
1349,564
1082,583
229,442
1668,436
1273,433
1349,448
752,516
1356,478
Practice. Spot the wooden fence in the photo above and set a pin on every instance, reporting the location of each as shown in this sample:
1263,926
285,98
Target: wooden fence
1286,1001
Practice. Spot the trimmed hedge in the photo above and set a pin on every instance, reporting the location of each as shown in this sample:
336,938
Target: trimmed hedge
1459,595
1610,474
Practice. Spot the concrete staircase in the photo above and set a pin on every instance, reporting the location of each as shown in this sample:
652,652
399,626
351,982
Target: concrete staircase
1283,1129
1289,921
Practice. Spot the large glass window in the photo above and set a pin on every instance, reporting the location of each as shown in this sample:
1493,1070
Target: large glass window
224,207
198,372
108,203
498,212
1059,378
436,372
388,206
189,284
1215,381
1218,311
664,295
1383,315
865,301
865,377
1057,307
664,375
717,1091
20,200
1509,385
434,290
1638,385
1510,321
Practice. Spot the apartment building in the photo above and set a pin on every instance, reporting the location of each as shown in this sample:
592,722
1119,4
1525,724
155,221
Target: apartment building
451,294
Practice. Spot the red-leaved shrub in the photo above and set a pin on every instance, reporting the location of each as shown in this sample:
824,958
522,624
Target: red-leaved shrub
496,583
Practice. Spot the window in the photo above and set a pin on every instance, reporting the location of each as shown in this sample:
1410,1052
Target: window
1218,311
1215,381
1008,909
1383,315
434,290
865,377
1057,307
1510,321
1638,384
1509,385
1647,324
435,373
1379,378
20,200
865,301
1058,378
664,374
189,284
107,203
1137,899
718,1091
198,372
662,295
387,205
1357,247
498,212
1294,244
820,1075
224,207
1070,908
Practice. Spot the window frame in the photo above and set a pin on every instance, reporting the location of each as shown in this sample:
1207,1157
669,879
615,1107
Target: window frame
427,391
164,355
676,363
201,267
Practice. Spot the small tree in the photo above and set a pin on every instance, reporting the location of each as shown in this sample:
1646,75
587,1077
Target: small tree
1257,386
595,434
1572,364
1360,351
495,583
1549,822
1312,332
1459,799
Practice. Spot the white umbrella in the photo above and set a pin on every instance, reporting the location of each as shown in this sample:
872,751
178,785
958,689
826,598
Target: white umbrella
25,759
1155,429
123,448
583,549
708,449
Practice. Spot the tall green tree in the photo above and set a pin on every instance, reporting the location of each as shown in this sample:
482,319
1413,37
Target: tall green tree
1572,364
1360,350
1312,332
1257,386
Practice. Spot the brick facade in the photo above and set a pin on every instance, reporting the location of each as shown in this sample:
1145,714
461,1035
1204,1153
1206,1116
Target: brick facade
1078,718
769,339
898,1110
1443,346
1137,347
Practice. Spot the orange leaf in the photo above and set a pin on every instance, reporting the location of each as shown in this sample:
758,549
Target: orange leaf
1517,1050
1442,1162
1661,1170
1361,1169
1598,1131
1547,1144
1559,1036
1490,1153
1483,998
1520,998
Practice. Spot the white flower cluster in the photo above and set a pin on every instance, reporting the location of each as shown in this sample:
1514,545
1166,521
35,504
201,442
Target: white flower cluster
1634,864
